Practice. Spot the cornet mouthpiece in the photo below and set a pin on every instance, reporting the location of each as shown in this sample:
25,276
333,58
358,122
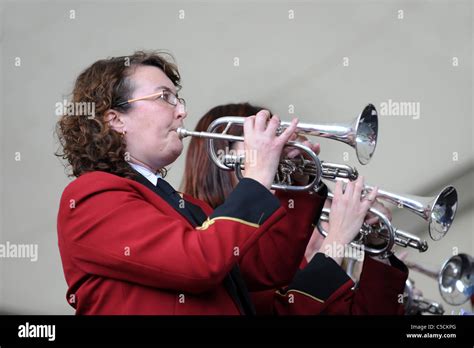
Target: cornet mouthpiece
182,132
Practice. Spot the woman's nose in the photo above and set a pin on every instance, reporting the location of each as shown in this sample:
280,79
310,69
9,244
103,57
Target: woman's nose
181,111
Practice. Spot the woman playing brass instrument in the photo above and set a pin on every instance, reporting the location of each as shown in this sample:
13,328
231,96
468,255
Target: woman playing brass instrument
129,243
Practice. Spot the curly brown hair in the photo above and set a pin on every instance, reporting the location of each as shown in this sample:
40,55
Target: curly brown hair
89,143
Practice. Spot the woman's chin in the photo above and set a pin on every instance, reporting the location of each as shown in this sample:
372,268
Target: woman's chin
178,152
174,153
179,147
170,153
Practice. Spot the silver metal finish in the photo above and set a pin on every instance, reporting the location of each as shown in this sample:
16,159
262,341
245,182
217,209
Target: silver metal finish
361,134
439,211
455,279
384,230
415,304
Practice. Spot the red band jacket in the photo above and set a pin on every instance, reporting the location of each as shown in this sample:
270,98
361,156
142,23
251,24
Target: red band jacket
127,250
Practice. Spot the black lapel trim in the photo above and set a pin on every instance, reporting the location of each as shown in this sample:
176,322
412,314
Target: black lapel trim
169,199
196,212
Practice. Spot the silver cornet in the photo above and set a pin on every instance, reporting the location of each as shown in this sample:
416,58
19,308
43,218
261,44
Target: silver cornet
361,134
439,211
416,304
455,279
384,231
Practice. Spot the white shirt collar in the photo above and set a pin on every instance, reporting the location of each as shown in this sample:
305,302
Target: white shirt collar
147,173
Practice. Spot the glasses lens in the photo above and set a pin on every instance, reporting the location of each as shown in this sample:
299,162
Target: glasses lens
173,99
170,98
182,102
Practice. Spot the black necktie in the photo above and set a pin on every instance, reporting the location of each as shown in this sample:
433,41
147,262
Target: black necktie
188,210
168,189
233,282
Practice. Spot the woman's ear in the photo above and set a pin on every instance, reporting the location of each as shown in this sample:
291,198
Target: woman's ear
112,117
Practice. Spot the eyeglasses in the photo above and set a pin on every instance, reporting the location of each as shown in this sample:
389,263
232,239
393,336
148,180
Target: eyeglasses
165,94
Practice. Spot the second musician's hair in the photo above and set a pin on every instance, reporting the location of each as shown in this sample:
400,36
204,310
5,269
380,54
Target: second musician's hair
202,178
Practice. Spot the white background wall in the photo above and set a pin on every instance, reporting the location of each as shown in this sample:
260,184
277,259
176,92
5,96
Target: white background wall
283,61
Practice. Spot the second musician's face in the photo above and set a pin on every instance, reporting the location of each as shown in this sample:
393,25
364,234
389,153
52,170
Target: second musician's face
151,124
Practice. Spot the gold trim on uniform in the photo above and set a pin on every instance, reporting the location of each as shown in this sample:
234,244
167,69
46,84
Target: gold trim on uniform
209,222
300,292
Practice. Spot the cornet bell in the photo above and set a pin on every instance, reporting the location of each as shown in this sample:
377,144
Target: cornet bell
442,213
361,134
366,130
456,279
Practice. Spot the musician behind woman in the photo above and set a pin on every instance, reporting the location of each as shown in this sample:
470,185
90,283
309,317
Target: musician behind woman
130,244
321,285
